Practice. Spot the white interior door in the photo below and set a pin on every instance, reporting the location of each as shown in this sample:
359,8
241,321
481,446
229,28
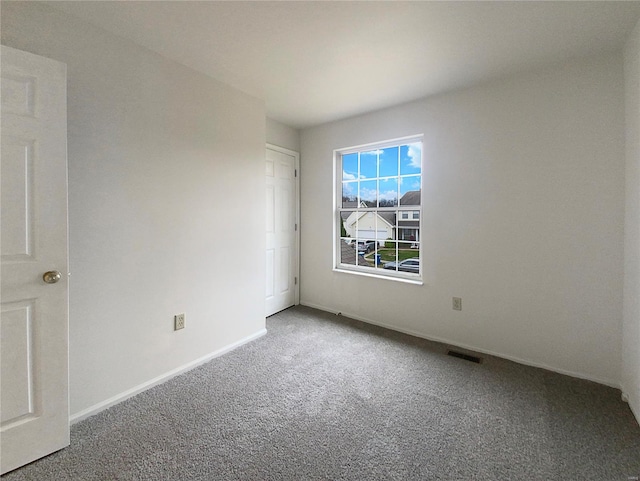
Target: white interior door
282,229
34,406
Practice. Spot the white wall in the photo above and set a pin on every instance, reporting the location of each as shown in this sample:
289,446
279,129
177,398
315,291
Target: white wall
631,333
523,219
165,171
282,135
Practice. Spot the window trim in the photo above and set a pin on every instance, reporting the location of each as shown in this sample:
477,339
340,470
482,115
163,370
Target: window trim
337,209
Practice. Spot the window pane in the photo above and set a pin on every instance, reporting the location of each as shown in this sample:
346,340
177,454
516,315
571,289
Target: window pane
368,193
369,164
347,252
350,194
411,265
406,259
388,192
356,253
389,255
411,159
386,225
362,261
389,162
348,223
410,190
368,226
350,167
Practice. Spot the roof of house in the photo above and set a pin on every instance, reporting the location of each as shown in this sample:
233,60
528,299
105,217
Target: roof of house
410,198
348,255
352,204
389,217
408,224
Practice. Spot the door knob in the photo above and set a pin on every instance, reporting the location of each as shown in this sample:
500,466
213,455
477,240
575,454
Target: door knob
51,277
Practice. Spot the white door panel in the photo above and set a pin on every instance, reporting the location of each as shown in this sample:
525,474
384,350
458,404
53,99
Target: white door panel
282,238
34,406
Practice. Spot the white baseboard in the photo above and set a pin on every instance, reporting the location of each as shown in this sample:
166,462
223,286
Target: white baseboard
526,362
101,406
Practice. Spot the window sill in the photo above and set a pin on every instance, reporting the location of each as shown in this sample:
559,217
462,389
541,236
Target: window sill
413,280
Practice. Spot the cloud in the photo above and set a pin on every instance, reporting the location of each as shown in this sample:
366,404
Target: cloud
367,194
348,189
412,183
414,152
389,195
370,194
348,176
373,152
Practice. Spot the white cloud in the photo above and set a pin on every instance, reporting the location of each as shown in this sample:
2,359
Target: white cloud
388,195
348,189
415,155
373,152
412,183
370,194
367,194
347,176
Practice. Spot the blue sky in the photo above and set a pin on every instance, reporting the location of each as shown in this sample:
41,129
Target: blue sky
407,157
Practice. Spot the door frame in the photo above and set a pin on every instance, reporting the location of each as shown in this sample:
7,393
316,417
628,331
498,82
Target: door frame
296,156
45,427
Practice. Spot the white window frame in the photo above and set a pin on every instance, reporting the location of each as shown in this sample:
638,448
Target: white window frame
338,266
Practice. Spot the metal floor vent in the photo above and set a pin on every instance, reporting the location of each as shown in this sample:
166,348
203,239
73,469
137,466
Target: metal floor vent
466,357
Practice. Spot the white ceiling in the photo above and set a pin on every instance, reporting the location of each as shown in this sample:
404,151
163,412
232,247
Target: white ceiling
314,62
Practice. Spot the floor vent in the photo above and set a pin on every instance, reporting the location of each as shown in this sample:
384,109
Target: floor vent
466,357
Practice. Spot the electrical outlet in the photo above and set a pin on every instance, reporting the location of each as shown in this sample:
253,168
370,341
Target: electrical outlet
457,303
178,320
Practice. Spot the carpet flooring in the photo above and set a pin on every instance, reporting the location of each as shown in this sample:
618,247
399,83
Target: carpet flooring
323,397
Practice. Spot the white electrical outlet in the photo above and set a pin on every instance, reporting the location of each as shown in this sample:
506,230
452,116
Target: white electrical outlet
457,303
178,321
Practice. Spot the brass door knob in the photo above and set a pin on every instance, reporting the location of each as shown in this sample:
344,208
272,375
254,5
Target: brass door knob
51,277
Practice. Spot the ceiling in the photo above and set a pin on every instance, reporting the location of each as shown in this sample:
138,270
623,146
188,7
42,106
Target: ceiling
319,61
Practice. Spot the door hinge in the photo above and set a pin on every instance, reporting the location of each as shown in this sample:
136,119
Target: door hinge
296,227
295,172
296,281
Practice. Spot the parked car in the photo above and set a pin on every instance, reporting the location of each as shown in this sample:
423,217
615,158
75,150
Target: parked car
364,247
407,265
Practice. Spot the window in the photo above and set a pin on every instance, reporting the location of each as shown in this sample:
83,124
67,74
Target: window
378,208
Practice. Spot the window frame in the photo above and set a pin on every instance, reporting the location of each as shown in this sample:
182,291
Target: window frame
338,209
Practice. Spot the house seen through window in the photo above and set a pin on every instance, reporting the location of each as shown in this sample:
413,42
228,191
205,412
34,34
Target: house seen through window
378,209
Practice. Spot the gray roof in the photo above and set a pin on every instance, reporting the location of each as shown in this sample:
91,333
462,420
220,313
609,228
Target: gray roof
410,198
408,224
390,217
348,255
